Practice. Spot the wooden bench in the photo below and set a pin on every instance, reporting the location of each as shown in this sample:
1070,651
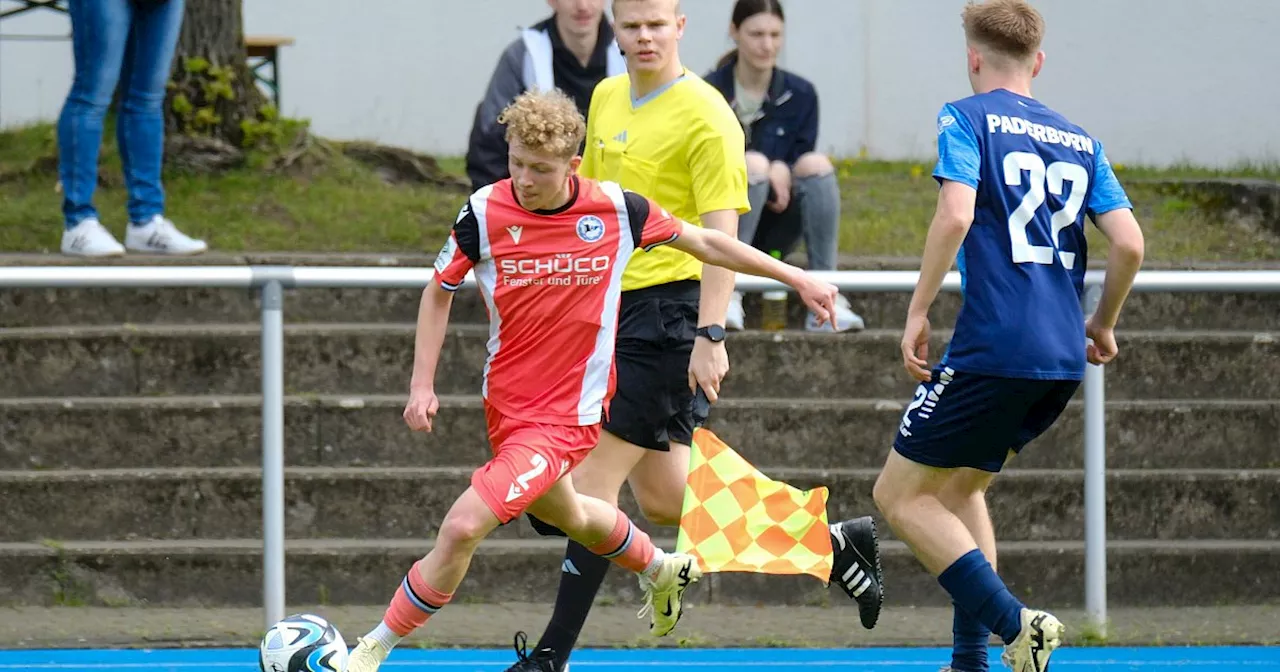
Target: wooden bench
28,5
263,51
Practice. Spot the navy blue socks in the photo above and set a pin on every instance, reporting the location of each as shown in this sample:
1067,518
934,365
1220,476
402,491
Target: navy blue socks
969,642
975,588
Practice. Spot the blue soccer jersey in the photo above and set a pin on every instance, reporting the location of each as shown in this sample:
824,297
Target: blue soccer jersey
1022,263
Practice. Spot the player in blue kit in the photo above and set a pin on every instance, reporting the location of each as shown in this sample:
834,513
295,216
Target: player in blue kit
1017,180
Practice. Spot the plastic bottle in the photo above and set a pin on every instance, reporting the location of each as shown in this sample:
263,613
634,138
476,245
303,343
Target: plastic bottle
773,307
773,311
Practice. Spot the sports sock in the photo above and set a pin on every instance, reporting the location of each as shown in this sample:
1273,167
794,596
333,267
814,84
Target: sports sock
384,636
974,585
581,576
627,546
969,642
411,606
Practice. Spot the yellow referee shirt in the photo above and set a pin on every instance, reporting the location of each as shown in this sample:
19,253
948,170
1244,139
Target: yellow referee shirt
681,146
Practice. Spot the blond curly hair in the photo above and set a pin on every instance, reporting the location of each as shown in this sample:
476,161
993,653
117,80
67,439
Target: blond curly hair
546,122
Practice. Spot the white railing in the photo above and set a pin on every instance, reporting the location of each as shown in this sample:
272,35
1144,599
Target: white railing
272,280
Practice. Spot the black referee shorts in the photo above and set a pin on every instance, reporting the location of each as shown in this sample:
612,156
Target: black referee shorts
652,403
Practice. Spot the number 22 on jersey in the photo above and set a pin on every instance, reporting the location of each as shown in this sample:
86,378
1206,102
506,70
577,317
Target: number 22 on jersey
1040,177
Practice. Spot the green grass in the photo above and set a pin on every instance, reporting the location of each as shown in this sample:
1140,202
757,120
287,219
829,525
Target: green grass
347,207
887,207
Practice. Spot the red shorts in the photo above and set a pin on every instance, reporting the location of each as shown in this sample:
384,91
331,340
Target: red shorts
528,458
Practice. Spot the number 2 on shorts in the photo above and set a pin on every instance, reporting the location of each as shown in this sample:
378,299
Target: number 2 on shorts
539,465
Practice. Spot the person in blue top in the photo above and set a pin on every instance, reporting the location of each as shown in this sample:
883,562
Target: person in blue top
791,186
1017,180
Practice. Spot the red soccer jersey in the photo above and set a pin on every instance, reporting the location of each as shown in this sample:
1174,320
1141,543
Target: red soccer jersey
552,281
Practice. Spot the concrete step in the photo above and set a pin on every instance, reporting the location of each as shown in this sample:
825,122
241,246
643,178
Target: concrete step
343,571
67,307
1030,504
377,358
224,431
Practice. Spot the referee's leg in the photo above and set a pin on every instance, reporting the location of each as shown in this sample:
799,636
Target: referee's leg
636,426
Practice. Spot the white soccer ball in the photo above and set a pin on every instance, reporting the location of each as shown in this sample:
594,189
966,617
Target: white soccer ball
302,643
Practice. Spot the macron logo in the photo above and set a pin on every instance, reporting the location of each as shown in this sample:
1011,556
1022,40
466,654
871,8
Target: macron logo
515,232
513,493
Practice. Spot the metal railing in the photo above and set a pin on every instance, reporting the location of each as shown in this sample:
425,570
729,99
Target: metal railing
273,280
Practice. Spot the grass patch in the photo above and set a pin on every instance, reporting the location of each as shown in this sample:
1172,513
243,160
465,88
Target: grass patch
347,207
887,206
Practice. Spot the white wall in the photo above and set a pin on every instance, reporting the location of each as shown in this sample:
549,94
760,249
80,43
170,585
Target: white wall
1159,81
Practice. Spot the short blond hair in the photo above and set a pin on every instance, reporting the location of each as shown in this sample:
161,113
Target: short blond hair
546,122
615,6
1011,28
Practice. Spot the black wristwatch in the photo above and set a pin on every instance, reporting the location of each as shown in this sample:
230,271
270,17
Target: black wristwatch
713,333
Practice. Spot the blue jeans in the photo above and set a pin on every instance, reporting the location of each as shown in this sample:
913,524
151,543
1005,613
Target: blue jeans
117,41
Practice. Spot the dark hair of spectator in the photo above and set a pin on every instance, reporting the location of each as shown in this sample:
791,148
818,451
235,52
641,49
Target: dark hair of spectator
745,9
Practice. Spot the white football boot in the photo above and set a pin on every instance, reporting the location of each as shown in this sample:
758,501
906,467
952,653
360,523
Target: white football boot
1041,634
662,595
367,656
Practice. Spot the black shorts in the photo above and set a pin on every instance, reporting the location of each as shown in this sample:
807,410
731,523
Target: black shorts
961,419
652,403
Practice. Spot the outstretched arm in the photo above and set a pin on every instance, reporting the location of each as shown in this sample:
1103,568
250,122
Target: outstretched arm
717,249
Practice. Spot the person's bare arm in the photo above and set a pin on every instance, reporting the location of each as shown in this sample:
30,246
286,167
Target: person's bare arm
709,362
1123,261
433,321
725,252
1124,258
717,283
951,221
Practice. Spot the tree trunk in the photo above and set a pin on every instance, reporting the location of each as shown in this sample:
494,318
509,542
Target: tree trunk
212,90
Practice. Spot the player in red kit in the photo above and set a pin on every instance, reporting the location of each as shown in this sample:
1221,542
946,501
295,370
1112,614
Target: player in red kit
548,249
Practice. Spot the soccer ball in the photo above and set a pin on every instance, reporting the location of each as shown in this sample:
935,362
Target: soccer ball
302,643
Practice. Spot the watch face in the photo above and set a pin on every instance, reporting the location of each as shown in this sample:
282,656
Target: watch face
715,332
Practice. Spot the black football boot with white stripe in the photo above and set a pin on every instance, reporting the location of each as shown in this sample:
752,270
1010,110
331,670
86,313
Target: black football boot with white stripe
542,660
857,566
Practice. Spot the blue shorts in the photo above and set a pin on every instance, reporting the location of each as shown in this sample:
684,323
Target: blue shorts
972,420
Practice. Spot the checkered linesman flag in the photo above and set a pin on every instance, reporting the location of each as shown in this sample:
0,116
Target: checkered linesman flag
736,519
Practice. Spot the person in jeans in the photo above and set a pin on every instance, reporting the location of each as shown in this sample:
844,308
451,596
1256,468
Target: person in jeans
792,188
130,43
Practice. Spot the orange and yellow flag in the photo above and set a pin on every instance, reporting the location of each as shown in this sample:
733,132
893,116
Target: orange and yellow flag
735,519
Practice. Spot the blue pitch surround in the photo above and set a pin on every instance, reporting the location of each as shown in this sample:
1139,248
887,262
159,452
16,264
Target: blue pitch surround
1107,659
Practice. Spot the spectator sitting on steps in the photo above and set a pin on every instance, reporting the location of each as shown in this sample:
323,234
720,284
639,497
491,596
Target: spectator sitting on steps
130,43
792,188
573,50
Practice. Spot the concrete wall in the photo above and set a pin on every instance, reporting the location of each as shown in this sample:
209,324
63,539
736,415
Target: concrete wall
1159,81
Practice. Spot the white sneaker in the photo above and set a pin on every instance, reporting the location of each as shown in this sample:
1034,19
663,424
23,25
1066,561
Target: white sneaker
734,317
1041,634
367,656
160,236
90,238
662,595
845,318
